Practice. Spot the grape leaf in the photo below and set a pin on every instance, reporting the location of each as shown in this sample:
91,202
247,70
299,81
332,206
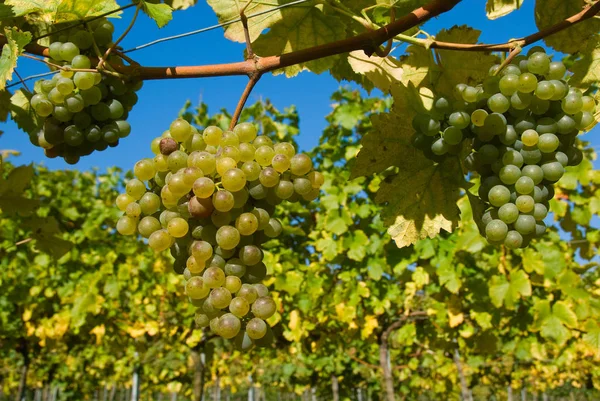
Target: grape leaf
23,114
455,67
301,28
15,43
160,13
56,11
572,39
18,179
508,292
500,8
586,70
181,4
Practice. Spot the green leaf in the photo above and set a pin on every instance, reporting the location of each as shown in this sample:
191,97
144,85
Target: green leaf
573,39
56,11
552,327
503,291
15,44
23,114
500,8
498,290
586,70
384,72
160,13
181,4
18,179
564,312
301,28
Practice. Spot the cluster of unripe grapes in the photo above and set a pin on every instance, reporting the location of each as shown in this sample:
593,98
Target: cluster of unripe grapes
210,198
83,110
523,122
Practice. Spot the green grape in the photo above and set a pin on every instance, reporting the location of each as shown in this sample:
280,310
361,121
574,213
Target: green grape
539,106
553,171
284,189
91,96
572,103
213,277
302,186
233,284
262,140
135,188
495,123
556,70
257,190
508,213
239,306
246,151
509,174
525,203
509,84
252,170
248,292
177,160
488,154
427,125
126,225
228,237
73,136
520,100
201,250
223,201
220,297
74,103
144,169
195,142
202,160
148,225
540,211
160,240
176,184
562,158
544,90
499,195
178,227
532,156
538,63
83,80
478,118
546,125
285,148
62,114
508,137
56,97
161,166
233,180
65,86
225,164
470,94
68,51
194,265
458,90
513,239
230,139
498,103
268,177
548,143
180,130
442,105
229,326
300,164
583,120
246,132
197,288
123,200
524,185
201,320
190,175
527,82
261,289
540,228
263,307
212,135
496,230
263,217
220,219
534,172
316,179
82,120
100,112
235,267
440,147
246,224
281,163
240,198
560,90
525,224
116,109
589,104
453,135
264,155
273,229
231,152
54,51
530,137
250,255
459,119
256,328
81,62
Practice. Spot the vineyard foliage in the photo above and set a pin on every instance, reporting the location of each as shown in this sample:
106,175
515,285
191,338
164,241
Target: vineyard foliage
384,282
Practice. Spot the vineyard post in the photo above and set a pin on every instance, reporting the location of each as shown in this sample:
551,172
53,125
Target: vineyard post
335,388
466,393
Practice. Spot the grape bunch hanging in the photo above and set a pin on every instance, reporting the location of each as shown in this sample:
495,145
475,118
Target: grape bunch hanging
82,110
523,122
210,198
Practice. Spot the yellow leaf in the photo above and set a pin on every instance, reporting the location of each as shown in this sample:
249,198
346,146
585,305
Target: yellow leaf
27,315
99,332
455,320
370,324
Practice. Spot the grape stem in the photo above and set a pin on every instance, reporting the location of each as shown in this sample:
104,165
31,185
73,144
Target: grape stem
254,78
513,53
114,45
368,42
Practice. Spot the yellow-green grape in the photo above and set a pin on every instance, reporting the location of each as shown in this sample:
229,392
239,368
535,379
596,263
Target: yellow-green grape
212,136
233,284
168,197
205,161
530,137
190,175
588,104
180,130
240,198
248,292
178,227
316,179
246,132
160,163
223,201
263,217
177,185
285,148
144,169
312,195
284,189
246,224
155,145
281,163
273,229
220,297
135,188
262,140
177,160
126,225
213,150
256,328
133,210
252,170
194,142
239,306
264,307
302,186
214,325
232,152
196,288
229,326
220,219
160,240
194,265
123,200
225,164
228,237
261,289
268,177
300,164
203,187
264,155
148,225
213,277
230,139
233,180
247,151
202,250
201,320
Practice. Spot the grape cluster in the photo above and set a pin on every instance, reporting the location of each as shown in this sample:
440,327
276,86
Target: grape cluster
522,122
210,197
83,110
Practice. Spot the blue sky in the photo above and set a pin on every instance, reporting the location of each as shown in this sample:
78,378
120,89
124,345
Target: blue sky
160,101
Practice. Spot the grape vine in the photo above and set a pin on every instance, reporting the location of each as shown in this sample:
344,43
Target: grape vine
210,198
